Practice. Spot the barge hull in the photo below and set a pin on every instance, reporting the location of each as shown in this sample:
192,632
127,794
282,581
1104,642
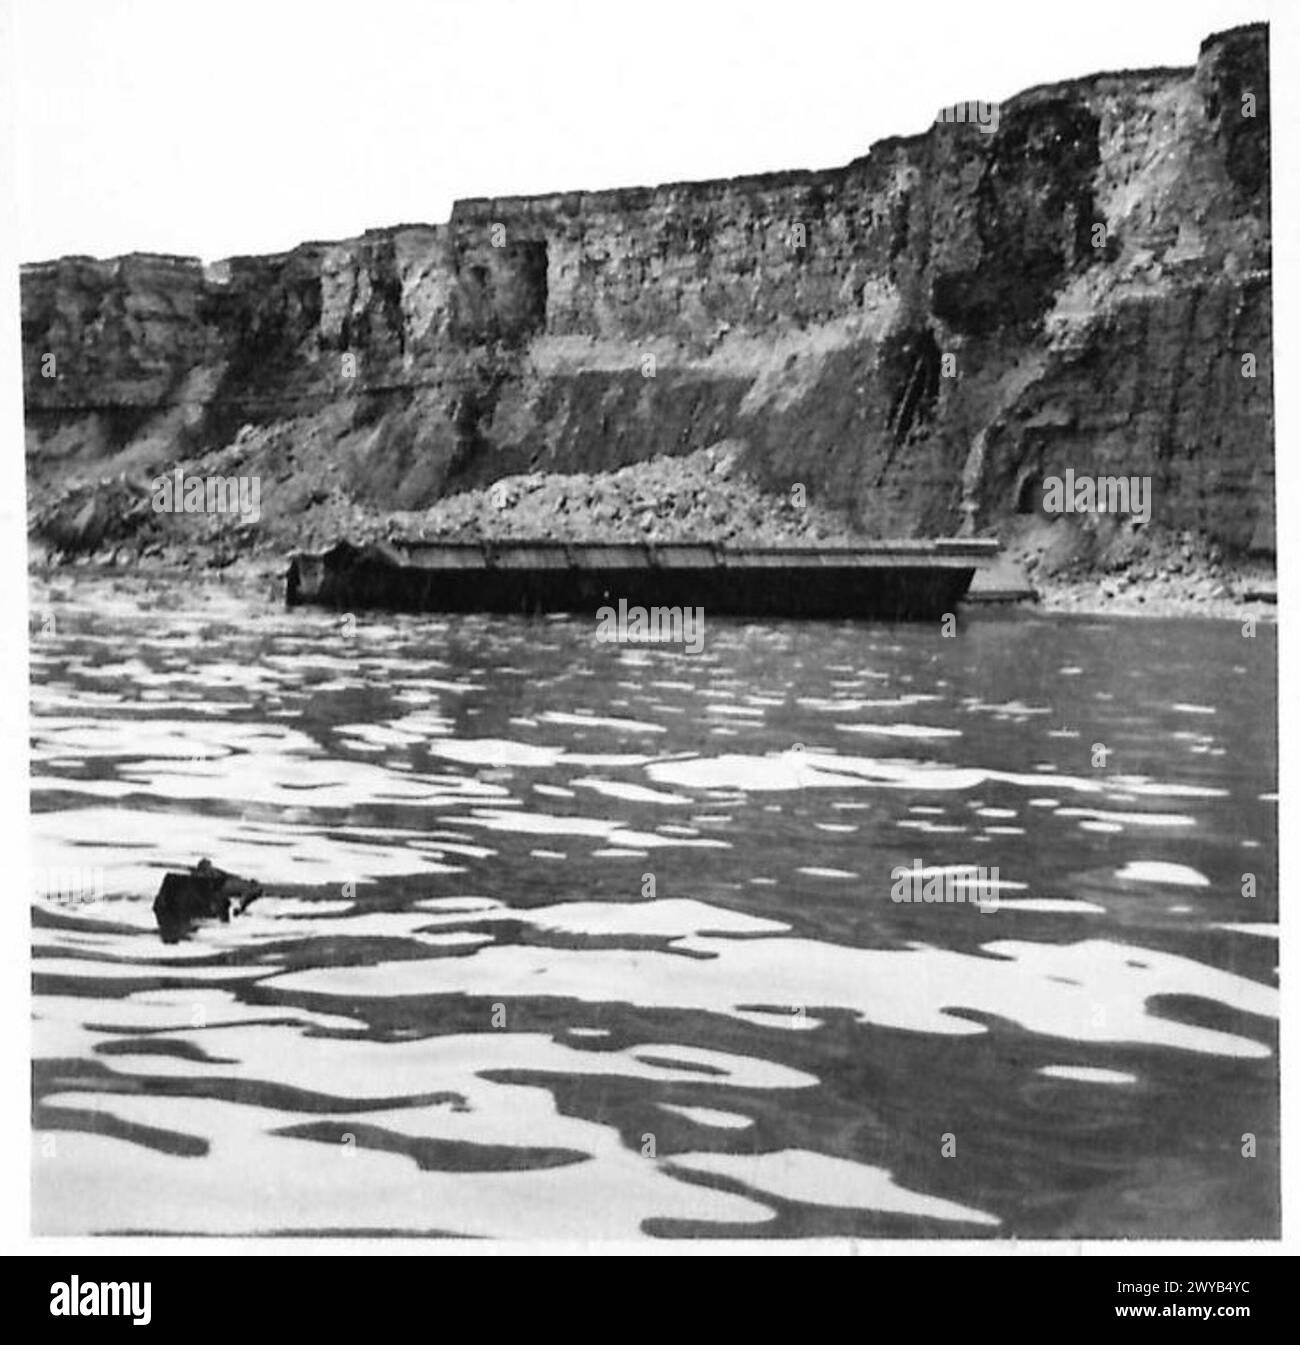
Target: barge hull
914,582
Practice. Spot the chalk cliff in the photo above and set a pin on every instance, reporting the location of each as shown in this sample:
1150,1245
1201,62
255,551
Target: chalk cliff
919,338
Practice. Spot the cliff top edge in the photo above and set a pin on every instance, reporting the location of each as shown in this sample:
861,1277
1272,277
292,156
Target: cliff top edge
579,200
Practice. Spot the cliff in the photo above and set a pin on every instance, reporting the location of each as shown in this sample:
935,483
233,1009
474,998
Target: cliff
918,338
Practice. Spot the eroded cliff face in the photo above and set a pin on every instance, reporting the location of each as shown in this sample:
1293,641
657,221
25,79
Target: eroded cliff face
919,338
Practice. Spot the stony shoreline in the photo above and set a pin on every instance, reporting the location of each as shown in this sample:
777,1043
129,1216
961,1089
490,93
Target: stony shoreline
1072,567
1091,599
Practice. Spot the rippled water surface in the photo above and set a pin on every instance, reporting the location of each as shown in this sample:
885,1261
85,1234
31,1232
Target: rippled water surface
566,939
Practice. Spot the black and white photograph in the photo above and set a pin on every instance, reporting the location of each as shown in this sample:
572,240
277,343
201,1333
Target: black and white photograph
647,626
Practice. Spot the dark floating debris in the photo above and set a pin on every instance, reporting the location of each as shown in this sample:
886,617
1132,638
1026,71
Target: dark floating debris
204,893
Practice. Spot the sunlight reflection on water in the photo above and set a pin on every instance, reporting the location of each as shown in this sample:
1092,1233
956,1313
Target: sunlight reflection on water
564,939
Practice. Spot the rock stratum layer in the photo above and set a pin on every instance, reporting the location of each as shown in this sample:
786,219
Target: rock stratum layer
918,339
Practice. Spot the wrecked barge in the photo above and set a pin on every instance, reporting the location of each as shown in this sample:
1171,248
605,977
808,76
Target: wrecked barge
895,580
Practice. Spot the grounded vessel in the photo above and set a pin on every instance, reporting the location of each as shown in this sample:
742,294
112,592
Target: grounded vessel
889,580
